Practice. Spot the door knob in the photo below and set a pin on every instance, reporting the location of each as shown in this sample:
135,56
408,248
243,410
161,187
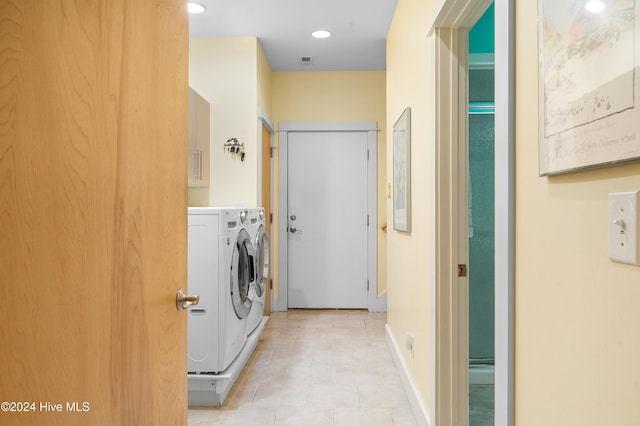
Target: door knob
183,301
293,229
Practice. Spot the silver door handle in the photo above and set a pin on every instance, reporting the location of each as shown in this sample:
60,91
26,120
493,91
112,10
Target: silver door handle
293,229
183,301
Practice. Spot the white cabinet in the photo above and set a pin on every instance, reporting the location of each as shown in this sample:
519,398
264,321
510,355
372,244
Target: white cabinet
199,130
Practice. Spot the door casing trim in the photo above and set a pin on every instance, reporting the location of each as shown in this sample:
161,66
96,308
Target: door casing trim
263,120
375,303
451,22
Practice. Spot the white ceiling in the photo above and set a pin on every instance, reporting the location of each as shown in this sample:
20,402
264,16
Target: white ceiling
284,28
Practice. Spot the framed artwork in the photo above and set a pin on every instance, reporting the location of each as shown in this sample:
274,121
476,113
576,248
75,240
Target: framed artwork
402,172
588,84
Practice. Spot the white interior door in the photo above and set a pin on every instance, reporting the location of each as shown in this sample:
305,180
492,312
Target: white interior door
327,218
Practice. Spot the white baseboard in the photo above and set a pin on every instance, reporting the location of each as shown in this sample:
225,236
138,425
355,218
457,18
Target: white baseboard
419,411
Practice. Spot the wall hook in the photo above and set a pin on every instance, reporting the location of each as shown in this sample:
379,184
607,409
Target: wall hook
232,146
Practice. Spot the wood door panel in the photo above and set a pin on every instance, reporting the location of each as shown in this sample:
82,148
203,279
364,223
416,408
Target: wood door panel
93,123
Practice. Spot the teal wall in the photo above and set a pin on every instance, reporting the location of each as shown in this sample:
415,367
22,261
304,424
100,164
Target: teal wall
481,195
481,236
481,39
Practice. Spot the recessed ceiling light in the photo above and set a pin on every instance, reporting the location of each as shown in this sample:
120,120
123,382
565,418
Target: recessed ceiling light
594,6
321,34
195,8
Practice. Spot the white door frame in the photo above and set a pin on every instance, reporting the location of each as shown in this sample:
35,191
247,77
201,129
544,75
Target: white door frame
449,31
375,303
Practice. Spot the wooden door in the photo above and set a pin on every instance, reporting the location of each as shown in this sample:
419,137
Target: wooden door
93,196
266,203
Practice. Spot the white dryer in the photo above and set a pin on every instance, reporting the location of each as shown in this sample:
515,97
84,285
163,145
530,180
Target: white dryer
220,271
260,240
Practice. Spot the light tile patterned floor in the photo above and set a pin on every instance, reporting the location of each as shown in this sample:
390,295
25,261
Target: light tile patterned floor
316,368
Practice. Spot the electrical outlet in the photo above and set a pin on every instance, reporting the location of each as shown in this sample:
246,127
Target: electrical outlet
408,342
623,227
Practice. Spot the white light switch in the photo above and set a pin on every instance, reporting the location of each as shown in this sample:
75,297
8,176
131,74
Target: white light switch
623,227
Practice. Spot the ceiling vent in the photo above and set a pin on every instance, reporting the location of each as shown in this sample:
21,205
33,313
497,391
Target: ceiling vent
306,60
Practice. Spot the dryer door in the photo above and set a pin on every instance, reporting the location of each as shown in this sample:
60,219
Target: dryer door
242,274
261,261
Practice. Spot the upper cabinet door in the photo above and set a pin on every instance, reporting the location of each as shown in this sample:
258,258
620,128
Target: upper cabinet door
199,131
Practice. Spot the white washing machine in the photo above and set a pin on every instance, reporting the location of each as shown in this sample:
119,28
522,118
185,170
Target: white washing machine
220,271
258,234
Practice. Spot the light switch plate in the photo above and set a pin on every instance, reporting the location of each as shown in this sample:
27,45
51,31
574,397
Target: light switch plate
623,227
408,342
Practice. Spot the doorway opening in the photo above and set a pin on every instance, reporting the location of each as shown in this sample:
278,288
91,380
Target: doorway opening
451,26
481,220
266,131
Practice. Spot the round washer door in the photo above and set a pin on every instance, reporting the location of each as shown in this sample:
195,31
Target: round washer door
261,261
241,274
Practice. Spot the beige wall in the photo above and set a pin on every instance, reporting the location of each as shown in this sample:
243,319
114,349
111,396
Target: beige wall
577,315
264,82
224,72
409,256
337,96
